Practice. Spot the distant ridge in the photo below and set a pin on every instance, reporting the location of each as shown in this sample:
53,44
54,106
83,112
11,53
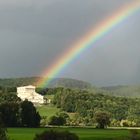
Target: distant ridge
57,82
132,91
69,83
125,91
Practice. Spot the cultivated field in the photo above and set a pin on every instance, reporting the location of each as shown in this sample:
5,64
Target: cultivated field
83,133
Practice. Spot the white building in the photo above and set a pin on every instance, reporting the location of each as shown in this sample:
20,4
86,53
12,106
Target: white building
28,92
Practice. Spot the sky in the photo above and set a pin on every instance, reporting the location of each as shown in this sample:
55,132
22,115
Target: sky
35,33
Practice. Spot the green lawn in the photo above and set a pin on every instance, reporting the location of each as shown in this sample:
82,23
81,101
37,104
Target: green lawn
47,110
83,133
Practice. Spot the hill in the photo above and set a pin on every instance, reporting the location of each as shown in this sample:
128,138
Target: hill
58,82
125,91
69,83
14,82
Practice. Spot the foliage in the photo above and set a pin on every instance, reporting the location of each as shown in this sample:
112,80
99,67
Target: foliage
9,97
57,120
63,115
15,114
10,114
86,103
102,118
29,116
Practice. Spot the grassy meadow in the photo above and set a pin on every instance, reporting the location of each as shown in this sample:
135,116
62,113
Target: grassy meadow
83,133
48,110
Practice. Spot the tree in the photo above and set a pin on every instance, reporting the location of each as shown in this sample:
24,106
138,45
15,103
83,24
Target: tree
10,114
29,116
56,135
57,120
102,118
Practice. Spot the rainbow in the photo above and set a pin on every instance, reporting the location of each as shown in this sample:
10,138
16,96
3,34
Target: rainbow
88,41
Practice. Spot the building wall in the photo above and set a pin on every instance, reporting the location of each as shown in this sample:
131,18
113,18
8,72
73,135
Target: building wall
28,92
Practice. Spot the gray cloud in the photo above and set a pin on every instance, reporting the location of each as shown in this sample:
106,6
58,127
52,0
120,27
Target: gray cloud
33,34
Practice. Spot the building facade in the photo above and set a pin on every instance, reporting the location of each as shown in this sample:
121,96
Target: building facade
29,93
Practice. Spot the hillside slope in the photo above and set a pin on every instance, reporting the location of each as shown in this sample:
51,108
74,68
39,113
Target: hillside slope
126,91
58,82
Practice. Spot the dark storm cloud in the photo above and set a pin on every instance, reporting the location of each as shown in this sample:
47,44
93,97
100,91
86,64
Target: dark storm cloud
34,33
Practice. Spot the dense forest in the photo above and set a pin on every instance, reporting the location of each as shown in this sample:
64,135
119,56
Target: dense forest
123,111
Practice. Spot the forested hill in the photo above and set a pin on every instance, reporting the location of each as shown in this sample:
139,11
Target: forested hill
69,83
14,82
126,91
58,82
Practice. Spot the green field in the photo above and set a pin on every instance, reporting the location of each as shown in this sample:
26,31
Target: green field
48,110
83,133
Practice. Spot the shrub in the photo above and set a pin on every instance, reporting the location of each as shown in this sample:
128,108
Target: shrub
56,135
57,120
